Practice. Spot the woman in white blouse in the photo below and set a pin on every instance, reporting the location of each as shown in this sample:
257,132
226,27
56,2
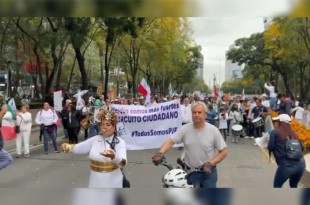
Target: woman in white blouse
24,120
107,153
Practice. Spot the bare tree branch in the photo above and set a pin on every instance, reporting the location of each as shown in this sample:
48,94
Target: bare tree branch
51,24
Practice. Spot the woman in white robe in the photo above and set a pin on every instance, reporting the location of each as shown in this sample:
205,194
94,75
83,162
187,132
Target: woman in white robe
107,153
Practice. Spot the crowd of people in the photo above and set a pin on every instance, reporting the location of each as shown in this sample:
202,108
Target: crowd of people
207,125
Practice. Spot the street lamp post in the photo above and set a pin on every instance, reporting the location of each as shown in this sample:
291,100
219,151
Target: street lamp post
117,82
8,78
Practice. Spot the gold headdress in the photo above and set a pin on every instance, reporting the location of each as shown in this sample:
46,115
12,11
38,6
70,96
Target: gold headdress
104,114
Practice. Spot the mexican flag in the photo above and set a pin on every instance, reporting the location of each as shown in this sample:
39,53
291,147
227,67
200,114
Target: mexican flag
145,90
8,122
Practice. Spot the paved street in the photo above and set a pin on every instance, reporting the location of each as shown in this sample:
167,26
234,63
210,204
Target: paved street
246,167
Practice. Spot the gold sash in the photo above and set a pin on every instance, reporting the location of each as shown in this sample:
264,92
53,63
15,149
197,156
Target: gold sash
103,166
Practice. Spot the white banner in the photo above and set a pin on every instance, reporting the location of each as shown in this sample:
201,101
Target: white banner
148,127
58,100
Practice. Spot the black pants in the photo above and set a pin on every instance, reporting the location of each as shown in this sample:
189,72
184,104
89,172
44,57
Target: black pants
73,133
258,131
224,133
86,133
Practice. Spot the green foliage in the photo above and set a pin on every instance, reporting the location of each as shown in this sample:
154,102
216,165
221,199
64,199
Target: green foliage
237,86
196,84
166,51
78,28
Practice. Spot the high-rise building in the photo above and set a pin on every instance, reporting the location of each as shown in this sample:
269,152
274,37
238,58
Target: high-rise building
267,22
199,71
232,70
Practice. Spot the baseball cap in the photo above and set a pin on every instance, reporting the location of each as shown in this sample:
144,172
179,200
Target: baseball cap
275,118
284,118
264,95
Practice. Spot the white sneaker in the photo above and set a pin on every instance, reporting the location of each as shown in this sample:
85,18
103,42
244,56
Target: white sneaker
252,137
246,137
255,144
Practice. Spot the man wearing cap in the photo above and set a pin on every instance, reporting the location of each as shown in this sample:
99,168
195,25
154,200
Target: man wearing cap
5,158
288,168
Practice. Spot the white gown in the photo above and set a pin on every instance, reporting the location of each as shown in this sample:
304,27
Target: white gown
94,146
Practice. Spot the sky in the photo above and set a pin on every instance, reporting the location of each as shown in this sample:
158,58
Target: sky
215,35
225,22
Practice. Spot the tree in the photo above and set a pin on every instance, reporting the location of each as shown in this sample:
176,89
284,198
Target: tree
115,27
287,40
251,51
78,29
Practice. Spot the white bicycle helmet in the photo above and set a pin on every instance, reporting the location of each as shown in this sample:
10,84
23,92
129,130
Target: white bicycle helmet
176,178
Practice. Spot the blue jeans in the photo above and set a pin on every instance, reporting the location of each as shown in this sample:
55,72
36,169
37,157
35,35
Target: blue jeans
205,181
214,196
51,135
292,170
5,159
66,133
273,103
305,197
93,130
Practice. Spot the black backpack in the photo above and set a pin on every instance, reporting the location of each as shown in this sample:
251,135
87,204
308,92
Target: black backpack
293,148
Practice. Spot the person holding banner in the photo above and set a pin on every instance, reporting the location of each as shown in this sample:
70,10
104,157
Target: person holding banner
203,146
186,111
107,153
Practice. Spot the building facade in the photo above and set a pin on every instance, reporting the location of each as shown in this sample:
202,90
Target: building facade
200,69
232,70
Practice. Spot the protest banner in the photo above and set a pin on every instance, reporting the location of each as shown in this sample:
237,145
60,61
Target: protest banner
147,127
58,100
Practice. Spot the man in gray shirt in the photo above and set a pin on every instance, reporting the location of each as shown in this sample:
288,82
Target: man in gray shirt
203,146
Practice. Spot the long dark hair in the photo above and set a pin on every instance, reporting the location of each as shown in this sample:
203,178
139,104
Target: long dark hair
285,130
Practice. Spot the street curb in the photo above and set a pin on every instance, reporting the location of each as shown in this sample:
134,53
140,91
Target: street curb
266,153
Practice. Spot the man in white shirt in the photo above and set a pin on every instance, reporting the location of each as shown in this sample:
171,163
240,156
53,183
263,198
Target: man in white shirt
186,111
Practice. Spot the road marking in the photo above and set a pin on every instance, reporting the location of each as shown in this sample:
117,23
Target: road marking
31,147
